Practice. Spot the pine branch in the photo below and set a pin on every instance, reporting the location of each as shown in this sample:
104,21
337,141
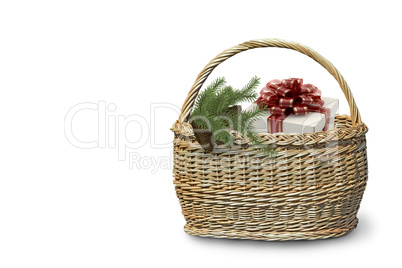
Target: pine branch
203,97
246,119
212,111
244,126
224,99
256,141
247,93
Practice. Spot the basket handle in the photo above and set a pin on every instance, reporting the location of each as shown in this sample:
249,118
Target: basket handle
192,95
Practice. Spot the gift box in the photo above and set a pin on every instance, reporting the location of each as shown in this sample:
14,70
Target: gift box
300,124
293,107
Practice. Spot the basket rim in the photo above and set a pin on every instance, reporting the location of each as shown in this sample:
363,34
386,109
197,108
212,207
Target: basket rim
347,130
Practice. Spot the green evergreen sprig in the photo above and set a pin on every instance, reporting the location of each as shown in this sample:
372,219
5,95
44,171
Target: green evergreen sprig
212,111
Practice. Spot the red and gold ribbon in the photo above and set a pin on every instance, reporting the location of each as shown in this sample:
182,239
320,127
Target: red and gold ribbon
290,96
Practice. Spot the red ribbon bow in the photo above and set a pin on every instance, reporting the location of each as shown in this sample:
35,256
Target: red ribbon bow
290,96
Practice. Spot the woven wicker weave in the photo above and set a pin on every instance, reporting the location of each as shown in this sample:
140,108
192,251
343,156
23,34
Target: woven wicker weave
311,190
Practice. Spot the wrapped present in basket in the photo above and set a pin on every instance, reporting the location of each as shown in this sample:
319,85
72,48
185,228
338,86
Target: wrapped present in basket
294,107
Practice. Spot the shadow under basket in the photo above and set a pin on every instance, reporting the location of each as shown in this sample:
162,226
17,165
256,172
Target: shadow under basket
311,189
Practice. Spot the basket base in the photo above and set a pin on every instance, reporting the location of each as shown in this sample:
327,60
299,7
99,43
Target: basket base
271,236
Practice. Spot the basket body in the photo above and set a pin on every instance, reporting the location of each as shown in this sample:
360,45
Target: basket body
311,190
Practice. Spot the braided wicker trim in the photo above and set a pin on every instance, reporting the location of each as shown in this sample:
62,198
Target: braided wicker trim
234,234
344,130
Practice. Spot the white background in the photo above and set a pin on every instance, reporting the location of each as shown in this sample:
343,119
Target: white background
63,206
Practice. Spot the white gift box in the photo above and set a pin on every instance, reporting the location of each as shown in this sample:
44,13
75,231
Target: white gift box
299,124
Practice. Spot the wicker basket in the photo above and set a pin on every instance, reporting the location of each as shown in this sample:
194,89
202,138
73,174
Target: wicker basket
311,190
